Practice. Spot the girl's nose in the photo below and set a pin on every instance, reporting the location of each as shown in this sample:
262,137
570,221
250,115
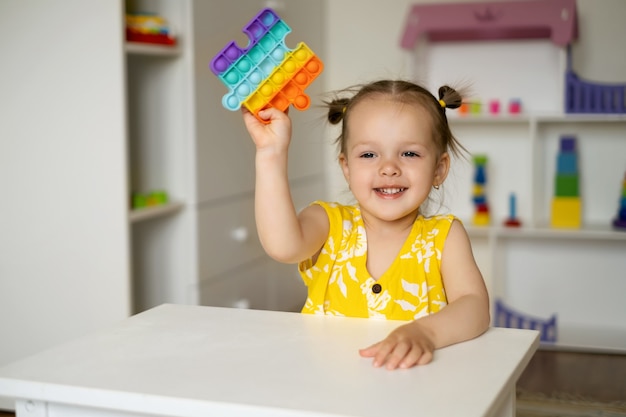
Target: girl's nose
389,168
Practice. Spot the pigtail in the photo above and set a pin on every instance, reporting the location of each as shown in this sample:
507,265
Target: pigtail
449,97
337,110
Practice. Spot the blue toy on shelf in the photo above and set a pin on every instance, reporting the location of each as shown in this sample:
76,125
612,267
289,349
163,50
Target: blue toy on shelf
507,317
582,96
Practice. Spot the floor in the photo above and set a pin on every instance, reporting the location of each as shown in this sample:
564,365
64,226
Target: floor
593,376
599,377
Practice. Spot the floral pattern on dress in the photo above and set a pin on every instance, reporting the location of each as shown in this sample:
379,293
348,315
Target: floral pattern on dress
339,283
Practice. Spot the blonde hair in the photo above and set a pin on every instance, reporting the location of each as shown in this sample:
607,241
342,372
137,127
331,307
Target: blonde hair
339,108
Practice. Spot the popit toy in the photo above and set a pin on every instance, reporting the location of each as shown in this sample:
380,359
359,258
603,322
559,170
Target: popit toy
266,73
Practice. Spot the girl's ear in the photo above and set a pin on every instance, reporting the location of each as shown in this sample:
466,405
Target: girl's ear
441,170
343,163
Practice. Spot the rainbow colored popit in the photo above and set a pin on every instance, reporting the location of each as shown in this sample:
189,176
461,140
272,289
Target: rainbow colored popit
266,73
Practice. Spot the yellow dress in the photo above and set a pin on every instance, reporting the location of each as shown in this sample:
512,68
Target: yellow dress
339,283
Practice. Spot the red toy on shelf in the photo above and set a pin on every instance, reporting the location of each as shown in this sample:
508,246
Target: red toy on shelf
148,28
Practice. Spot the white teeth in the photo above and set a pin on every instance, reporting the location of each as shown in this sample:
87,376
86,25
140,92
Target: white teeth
391,190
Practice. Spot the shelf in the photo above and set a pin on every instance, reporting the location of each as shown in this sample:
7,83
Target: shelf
490,118
588,338
592,232
538,118
149,213
136,48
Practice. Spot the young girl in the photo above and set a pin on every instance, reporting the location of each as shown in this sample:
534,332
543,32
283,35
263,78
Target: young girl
380,257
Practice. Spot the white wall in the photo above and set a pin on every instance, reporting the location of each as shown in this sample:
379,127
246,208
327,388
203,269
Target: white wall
63,236
363,38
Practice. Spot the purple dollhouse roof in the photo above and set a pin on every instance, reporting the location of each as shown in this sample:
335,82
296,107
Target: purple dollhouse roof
531,19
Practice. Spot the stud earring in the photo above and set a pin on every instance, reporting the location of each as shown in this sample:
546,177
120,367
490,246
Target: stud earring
436,187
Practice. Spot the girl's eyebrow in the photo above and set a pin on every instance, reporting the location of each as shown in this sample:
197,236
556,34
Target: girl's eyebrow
361,145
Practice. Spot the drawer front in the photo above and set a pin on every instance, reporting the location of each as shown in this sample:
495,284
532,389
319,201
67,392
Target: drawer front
227,237
289,290
247,287
264,284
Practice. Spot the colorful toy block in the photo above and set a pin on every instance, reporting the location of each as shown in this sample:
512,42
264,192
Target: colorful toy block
494,107
148,28
515,106
481,215
151,199
566,185
505,316
266,73
566,204
567,163
512,220
620,220
476,107
566,212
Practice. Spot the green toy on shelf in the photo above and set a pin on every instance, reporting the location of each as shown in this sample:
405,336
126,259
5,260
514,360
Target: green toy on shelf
151,199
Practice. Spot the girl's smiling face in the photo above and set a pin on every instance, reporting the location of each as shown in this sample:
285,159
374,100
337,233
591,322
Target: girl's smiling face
390,160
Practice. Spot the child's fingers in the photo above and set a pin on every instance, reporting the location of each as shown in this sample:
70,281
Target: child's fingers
412,358
379,352
396,356
425,357
402,355
369,351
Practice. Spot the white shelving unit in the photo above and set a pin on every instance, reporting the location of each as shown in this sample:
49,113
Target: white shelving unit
137,48
148,213
526,148
576,273
161,144
579,275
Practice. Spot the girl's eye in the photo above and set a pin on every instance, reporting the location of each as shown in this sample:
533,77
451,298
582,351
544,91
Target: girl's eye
410,154
367,155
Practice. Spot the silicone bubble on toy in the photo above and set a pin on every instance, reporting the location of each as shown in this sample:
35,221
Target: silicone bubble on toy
266,73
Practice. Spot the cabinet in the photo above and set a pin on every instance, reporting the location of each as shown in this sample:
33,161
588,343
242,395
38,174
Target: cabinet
233,268
537,270
203,247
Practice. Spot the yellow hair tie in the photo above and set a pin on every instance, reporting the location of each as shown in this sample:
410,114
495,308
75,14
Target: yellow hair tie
443,103
343,110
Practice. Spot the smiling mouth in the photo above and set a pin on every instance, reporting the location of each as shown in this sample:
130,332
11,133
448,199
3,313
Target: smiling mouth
389,191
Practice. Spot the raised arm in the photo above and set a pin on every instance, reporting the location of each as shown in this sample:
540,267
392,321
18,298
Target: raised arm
465,317
285,236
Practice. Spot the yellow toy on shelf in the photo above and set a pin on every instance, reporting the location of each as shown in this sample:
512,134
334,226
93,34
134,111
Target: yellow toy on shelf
566,204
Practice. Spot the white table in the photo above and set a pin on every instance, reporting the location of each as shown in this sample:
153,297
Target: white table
192,361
